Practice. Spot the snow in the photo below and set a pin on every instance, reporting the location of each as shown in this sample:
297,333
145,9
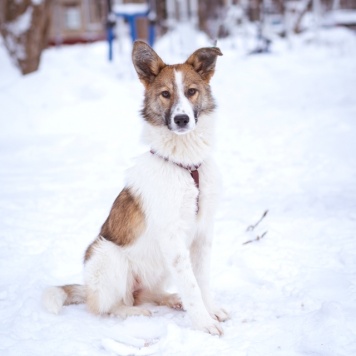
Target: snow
285,143
341,17
130,9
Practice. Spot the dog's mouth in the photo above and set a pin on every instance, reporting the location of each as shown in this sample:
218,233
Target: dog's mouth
181,131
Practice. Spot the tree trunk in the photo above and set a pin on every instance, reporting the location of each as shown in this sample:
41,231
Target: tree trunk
24,25
297,26
209,12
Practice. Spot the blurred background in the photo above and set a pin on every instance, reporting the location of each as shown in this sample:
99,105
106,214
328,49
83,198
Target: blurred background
29,26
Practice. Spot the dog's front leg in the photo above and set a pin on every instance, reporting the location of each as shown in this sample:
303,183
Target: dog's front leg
200,252
178,260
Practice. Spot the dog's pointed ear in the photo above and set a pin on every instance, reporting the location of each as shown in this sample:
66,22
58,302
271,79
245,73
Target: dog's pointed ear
146,62
203,61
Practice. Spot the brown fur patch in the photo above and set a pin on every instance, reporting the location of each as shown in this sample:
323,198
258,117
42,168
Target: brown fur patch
126,221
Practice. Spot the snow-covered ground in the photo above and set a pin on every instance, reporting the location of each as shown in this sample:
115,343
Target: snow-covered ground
286,143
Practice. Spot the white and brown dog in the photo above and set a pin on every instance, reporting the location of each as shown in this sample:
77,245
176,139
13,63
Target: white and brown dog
160,226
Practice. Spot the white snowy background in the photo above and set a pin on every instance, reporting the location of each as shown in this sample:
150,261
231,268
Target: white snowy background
286,143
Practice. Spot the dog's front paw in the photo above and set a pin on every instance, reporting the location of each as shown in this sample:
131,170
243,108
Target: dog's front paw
210,326
219,314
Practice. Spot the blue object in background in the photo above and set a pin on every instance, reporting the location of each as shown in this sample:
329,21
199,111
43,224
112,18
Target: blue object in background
130,13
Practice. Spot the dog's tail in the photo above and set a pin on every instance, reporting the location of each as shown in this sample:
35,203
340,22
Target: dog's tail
55,297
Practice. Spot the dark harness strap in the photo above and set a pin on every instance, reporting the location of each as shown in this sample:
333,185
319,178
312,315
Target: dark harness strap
195,176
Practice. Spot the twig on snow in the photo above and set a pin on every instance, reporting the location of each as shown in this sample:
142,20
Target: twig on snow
252,227
256,239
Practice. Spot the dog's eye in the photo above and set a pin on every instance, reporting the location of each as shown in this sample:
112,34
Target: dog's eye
191,91
166,94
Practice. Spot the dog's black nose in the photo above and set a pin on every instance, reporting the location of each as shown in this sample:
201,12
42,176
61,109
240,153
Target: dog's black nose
181,120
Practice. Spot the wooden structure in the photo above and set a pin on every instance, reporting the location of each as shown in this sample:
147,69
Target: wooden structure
76,21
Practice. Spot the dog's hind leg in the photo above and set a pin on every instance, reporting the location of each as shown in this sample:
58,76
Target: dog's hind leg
108,280
109,301
158,297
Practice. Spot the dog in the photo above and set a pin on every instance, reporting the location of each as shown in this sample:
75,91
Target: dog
160,227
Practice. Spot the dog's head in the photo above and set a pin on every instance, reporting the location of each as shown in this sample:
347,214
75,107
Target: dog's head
175,95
